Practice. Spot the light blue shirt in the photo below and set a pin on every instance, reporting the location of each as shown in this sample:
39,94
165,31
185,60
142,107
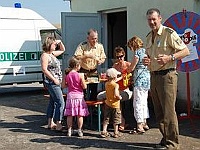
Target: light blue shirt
141,76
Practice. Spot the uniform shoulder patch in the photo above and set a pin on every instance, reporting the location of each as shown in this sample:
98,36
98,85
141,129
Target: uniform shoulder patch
148,33
83,43
170,30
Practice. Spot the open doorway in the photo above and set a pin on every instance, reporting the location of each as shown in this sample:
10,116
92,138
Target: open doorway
116,33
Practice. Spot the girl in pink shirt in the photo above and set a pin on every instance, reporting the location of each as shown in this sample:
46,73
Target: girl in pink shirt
75,103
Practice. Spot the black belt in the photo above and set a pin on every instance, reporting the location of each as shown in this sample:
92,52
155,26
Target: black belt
88,71
163,72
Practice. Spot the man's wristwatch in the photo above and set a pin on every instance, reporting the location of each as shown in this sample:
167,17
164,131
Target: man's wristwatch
173,57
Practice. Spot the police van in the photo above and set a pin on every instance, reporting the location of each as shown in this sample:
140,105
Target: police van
22,32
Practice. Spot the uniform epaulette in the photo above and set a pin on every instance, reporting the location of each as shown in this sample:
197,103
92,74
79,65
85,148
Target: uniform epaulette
148,33
170,30
83,43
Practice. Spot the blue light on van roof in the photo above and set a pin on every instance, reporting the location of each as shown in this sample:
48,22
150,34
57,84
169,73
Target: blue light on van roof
18,5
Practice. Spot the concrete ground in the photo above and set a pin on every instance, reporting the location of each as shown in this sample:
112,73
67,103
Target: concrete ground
23,127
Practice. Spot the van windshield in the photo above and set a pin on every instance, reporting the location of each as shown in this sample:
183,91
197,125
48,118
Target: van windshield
45,33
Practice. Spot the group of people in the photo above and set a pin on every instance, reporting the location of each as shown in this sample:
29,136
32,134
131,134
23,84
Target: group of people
154,67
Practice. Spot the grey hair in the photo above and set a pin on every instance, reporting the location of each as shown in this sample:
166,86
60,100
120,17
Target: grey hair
91,30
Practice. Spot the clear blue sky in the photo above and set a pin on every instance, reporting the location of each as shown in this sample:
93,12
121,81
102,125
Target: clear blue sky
49,9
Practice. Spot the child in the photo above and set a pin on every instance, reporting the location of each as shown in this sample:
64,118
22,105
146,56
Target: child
112,103
141,84
75,103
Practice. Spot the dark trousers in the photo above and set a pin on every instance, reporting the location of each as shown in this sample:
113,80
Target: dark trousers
91,92
163,92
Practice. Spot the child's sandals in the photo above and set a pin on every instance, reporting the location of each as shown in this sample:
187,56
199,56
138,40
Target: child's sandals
116,135
105,134
140,129
123,127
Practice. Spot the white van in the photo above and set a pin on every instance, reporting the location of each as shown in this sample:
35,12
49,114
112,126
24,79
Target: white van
22,32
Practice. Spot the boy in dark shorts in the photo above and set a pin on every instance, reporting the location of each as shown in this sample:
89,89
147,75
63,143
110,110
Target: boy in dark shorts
112,104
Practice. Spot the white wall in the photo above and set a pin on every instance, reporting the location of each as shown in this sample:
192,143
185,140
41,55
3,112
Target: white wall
136,10
137,25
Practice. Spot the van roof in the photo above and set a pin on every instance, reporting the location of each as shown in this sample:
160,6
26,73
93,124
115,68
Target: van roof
18,13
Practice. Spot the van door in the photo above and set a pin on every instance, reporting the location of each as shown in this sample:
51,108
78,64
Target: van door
74,30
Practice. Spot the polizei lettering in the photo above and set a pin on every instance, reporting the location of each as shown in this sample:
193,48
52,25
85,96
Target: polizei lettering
19,56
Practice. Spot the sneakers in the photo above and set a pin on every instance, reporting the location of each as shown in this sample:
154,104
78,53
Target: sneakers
80,133
105,134
69,133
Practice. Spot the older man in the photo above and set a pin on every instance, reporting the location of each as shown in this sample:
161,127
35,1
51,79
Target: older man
91,53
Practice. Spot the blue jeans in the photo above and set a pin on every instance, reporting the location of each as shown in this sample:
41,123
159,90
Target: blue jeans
55,107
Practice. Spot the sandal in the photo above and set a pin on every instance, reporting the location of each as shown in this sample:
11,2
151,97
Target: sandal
105,134
123,127
134,131
140,131
116,135
145,127
53,127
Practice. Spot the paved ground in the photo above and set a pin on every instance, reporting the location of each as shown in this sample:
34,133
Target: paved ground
23,127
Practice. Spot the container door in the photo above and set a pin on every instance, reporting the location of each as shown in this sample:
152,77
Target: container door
74,30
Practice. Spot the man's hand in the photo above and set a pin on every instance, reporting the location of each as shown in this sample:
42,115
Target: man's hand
163,59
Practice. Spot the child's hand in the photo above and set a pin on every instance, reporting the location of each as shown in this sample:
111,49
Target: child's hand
118,97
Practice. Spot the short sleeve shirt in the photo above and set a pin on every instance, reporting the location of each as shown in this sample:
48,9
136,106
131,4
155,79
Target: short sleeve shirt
167,42
110,92
85,48
141,73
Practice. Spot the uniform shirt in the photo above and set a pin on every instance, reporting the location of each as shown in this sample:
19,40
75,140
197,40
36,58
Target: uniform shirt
111,101
167,42
97,51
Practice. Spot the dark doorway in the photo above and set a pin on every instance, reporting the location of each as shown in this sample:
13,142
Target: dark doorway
117,33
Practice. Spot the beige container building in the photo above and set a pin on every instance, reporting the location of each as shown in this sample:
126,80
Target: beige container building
121,19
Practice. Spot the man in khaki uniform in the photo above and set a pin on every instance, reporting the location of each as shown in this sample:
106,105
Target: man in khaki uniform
164,47
91,53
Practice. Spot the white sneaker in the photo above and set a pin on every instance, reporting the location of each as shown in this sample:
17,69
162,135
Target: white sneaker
69,133
80,133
